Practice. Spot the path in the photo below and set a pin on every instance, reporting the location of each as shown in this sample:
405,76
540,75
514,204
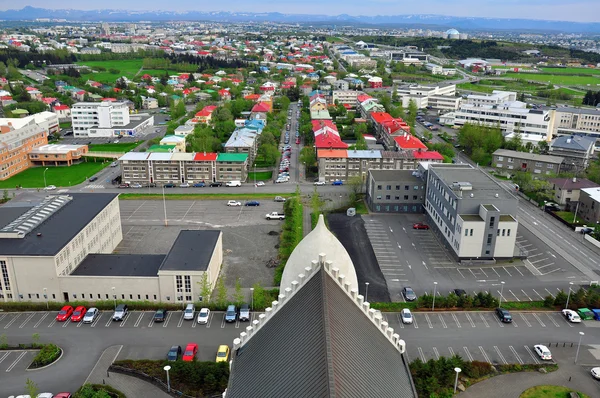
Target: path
306,221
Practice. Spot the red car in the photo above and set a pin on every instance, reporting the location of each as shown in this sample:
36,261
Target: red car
65,313
63,395
78,314
420,225
190,352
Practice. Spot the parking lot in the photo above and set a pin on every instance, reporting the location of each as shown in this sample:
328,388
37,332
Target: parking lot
16,360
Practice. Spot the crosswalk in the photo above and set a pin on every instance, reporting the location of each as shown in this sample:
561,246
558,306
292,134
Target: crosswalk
94,186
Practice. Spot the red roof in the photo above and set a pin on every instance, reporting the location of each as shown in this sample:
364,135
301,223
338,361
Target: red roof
224,92
203,112
380,117
363,97
210,108
408,141
205,156
329,141
146,77
48,100
427,155
109,99
261,107
319,124
184,76
252,97
81,92
61,108
30,88
5,98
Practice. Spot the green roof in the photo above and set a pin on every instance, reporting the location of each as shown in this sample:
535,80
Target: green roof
210,91
232,157
20,111
94,95
175,97
161,148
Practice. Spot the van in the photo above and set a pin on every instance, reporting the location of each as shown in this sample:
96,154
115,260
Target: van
231,314
188,314
233,184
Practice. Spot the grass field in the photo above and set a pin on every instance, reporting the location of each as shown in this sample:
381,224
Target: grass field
566,80
126,67
121,147
260,176
549,392
58,176
158,72
571,71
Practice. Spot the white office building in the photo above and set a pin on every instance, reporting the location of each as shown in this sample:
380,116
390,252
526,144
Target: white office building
106,119
438,97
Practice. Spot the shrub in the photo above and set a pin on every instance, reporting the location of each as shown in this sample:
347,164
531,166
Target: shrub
477,369
291,235
549,301
94,390
48,354
114,71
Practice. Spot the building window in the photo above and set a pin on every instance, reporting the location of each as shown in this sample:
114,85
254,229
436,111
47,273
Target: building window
406,187
397,187
188,298
405,197
508,232
388,187
188,284
5,277
379,187
147,296
492,220
498,232
471,232
416,187
414,197
155,297
467,232
179,283
489,239
99,296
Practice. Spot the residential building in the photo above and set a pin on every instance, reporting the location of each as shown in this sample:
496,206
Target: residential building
184,131
18,137
327,135
243,140
441,96
342,85
57,154
567,190
62,111
387,128
473,214
149,103
106,119
395,191
525,161
177,141
232,167
589,205
575,150
345,96
577,121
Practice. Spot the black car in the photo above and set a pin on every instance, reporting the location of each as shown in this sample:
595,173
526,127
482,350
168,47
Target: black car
160,315
552,207
216,184
92,179
504,315
409,294
586,230
252,203
174,353
460,292
169,185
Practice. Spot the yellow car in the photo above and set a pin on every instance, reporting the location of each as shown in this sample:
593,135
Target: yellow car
223,353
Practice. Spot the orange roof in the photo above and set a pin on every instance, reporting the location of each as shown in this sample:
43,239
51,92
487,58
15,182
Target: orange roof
332,153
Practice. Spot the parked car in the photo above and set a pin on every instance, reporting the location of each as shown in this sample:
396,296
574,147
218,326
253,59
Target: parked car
409,294
189,312
234,203
595,373
337,182
190,352
504,315
136,186
244,313
184,185
92,179
406,316
63,395
160,315
460,292
571,316
223,353
216,184
65,313
543,352
90,315
550,206
50,188
586,230
78,314
585,314
252,203
174,353
114,164
233,184
120,312
169,185
279,199
260,184
199,185
319,183
420,225
231,313
203,315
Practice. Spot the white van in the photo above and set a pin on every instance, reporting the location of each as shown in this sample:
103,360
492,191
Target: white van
233,184
188,314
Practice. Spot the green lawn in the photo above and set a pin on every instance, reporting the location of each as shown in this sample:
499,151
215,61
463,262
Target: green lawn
571,71
120,147
65,125
58,176
549,392
568,217
126,67
567,80
260,176
158,72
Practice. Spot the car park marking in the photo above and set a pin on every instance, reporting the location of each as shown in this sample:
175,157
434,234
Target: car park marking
468,353
428,321
400,323
66,323
500,354
537,261
421,354
566,320
210,318
166,322
504,268
124,320
539,295
483,272
516,355
97,320
237,322
484,321
443,322
137,323
514,295
12,321
16,361
80,323
549,272
181,319
501,295
531,353
109,322
470,320
38,323
494,269
539,320
456,320
553,296
525,319
518,271
451,351
415,322
52,323
553,321
436,353
6,354
526,295
26,320
461,274
223,322
484,354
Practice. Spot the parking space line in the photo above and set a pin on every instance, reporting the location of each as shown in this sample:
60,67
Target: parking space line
80,323
550,293
483,272
137,323
540,260
6,354
551,271
514,295
180,320
539,295
473,273
470,320
421,354
436,353
52,323
539,320
210,318
484,321
565,320
41,320
504,268
518,270
514,323
97,320
526,295
468,354
428,321
501,295
525,319
237,322
415,322
484,354
195,322
26,320
223,322
66,323
400,323
501,324
500,354
451,351
553,321
12,321
531,353
516,355
494,269
108,322
169,315
16,361
456,320
460,273
443,322
534,255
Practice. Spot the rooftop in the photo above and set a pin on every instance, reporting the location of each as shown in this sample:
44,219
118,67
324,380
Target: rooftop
572,183
232,157
483,186
395,175
529,156
119,265
594,193
191,251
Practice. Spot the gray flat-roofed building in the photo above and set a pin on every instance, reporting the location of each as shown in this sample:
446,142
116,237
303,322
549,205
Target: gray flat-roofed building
120,265
192,250
395,191
525,161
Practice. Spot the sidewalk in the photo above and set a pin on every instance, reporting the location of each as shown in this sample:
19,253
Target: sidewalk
306,222
130,386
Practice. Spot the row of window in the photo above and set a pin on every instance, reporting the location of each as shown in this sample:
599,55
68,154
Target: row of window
406,187
389,197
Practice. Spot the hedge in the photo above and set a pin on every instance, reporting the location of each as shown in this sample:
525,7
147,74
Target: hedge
91,390
291,235
48,354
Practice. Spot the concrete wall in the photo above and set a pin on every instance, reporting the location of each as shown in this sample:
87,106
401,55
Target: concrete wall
470,245
505,244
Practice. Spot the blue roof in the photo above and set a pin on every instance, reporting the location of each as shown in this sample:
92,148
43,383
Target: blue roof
573,142
364,154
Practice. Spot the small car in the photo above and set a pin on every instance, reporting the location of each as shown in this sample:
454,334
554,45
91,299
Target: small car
586,230
184,185
216,184
50,188
63,395
406,316
120,312
136,186
65,313
420,225
160,315
260,184
543,352
231,313
90,315
114,164
337,182
92,179
252,203
203,315
409,294
174,353
279,199
319,183
504,315
222,353
571,316
78,314
595,373
199,185
169,185
234,203
189,312
190,352
244,313
460,292
123,186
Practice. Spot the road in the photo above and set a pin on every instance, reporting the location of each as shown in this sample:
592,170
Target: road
34,75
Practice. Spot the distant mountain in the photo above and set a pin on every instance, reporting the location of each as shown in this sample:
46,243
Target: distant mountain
420,21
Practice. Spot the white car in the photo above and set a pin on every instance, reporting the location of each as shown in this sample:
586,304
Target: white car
595,373
90,315
571,316
135,186
543,352
50,188
260,184
319,182
406,316
234,203
45,395
203,316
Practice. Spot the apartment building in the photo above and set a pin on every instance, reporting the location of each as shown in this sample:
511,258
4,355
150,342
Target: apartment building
243,140
471,212
577,151
57,154
525,161
436,96
345,96
589,205
18,137
577,121
395,191
568,190
107,119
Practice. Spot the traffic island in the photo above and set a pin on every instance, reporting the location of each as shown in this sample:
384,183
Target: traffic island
48,355
552,391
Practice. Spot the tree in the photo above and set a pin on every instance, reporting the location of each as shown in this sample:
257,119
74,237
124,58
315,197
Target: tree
412,113
515,143
259,301
238,296
2,69
205,288
31,388
221,293
191,78
316,202
355,186
308,157
523,180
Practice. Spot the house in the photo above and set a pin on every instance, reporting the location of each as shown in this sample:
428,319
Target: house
205,114
589,205
62,111
317,103
408,141
575,150
184,131
525,161
176,140
243,140
567,190
149,103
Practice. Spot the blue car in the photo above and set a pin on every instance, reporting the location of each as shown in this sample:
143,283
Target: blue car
199,185
337,182
252,203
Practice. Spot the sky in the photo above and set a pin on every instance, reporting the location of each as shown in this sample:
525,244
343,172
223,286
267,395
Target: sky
565,10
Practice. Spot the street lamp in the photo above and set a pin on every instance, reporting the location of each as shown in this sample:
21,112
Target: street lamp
167,368
457,370
366,291
46,297
434,291
578,345
501,291
114,296
45,177
252,298
569,295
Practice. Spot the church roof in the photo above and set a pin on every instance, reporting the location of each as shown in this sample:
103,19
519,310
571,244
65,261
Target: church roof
340,348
